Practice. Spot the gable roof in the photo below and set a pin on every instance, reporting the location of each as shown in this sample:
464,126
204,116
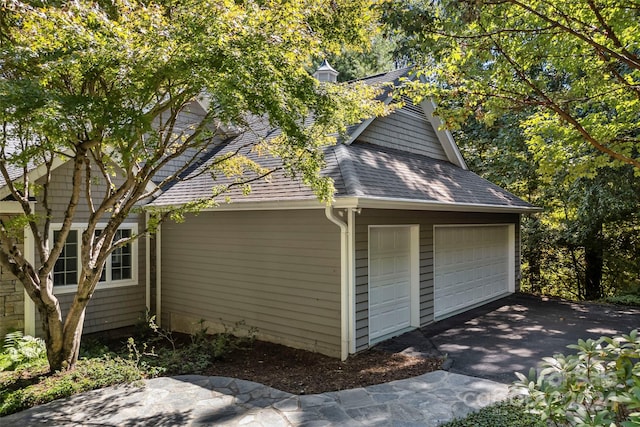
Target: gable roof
426,109
364,174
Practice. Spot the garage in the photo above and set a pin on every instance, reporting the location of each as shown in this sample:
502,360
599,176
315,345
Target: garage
393,282
473,264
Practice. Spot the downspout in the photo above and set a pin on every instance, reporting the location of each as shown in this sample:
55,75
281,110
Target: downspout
351,218
159,275
344,281
147,264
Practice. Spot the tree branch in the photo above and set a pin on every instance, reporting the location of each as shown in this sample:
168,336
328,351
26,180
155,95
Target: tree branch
563,113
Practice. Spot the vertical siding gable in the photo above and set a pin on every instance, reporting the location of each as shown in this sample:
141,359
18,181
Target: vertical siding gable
405,130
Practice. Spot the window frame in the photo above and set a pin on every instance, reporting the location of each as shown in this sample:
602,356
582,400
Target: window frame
108,283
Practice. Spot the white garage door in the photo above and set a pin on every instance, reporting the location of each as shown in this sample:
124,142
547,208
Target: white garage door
472,265
389,280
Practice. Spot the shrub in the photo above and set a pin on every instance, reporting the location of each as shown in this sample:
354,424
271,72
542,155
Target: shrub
21,351
597,386
628,299
195,356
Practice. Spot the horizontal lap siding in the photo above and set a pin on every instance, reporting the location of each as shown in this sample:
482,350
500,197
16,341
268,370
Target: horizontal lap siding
403,131
109,308
426,220
278,271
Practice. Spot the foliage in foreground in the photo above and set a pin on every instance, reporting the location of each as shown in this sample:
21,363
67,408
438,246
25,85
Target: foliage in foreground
597,386
120,89
504,414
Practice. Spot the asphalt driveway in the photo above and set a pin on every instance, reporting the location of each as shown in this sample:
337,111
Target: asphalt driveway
513,334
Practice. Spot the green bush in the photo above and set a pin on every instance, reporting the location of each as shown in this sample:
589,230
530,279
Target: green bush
22,351
504,414
597,386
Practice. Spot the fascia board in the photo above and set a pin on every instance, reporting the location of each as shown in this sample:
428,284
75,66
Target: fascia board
408,204
371,203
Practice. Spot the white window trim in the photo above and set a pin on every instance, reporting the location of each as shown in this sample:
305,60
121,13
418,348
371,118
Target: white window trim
67,289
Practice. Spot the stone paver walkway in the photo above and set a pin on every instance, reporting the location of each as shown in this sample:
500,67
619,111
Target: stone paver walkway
427,400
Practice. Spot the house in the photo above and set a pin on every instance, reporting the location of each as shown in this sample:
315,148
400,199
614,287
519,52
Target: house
412,237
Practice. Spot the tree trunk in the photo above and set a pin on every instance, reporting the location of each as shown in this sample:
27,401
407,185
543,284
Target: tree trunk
62,339
62,349
593,264
532,253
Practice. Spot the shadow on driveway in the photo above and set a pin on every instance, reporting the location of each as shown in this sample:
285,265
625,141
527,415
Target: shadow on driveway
513,334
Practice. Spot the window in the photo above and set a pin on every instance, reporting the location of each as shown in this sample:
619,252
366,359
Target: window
65,271
119,269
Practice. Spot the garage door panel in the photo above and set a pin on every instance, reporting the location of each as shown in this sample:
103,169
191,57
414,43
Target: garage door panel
471,265
389,280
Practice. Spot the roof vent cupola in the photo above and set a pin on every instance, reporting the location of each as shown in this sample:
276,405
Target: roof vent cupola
326,73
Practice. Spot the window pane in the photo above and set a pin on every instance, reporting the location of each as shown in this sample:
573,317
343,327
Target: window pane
121,260
71,278
65,270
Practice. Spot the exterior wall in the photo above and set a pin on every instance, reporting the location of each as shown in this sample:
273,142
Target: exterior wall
426,220
109,308
405,130
11,300
277,271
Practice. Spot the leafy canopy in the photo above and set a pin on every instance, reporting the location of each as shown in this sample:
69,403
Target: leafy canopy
121,89
576,63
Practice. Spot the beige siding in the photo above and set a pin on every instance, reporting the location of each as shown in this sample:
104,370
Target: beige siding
404,131
109,308
278,271
426,220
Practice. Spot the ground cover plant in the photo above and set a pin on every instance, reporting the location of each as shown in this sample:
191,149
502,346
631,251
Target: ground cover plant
504,414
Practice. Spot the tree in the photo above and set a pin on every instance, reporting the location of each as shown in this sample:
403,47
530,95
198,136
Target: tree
585,244
355,64
576,63
103,86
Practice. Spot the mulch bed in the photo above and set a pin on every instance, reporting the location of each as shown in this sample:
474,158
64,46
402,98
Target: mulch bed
304,372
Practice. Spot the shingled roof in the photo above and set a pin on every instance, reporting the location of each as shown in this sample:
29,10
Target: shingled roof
360,171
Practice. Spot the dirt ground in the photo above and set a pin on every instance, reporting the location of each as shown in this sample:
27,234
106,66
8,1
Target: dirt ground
303,372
